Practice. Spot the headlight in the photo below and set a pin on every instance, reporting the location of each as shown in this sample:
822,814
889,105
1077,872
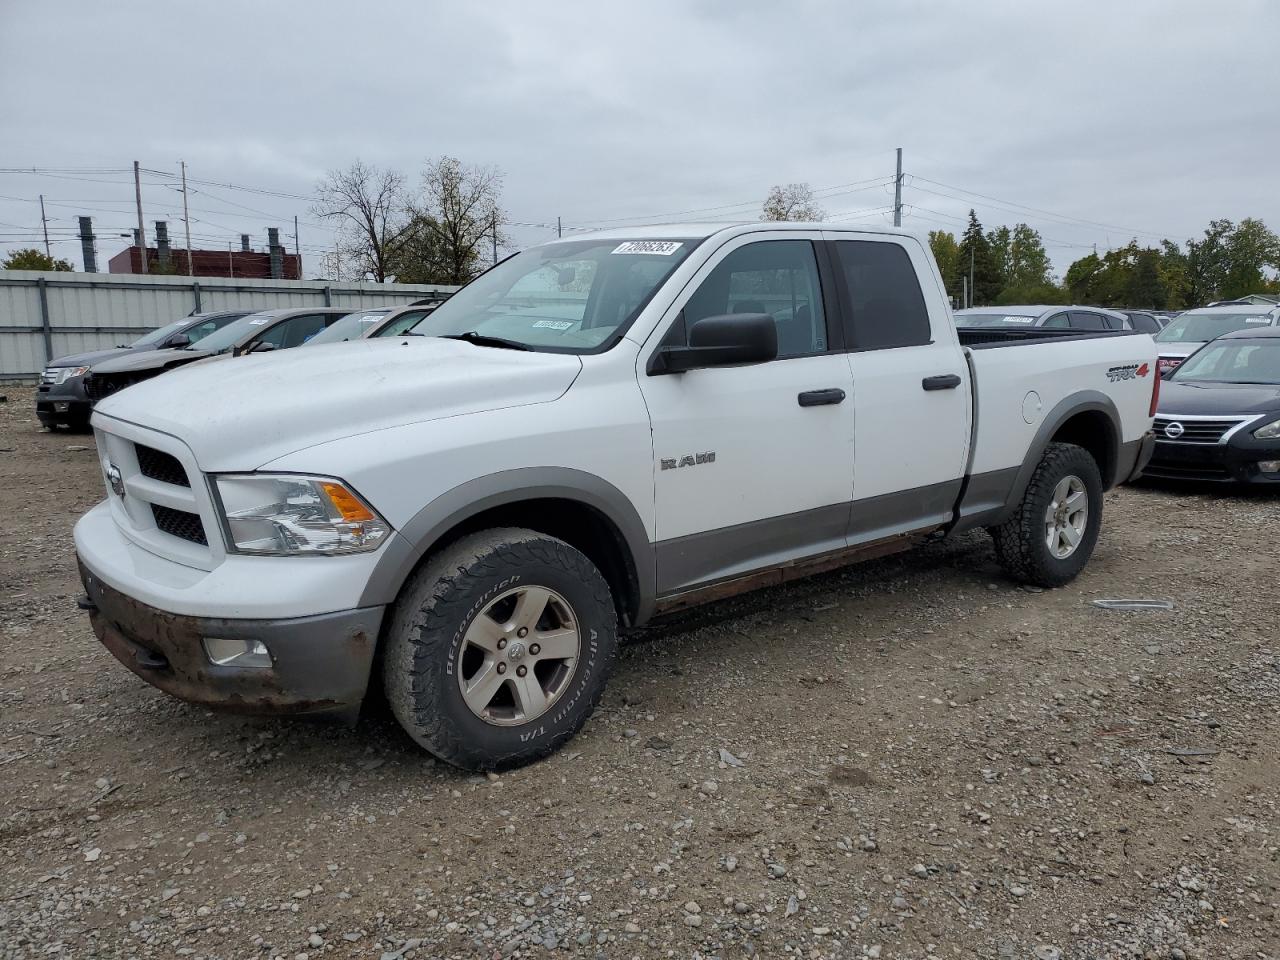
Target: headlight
283,515
63,374
1269,432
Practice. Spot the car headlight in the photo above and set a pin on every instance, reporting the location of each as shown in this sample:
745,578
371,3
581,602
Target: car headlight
63,374
284,515
1269,432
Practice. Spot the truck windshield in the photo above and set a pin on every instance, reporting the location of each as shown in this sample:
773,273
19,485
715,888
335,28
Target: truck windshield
577,296
996,319
232,333
1201,327
1233,361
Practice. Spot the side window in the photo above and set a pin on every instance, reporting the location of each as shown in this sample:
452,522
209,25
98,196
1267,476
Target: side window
885,301
294,331
202,330
1058,320
1080,320
402,323
777,277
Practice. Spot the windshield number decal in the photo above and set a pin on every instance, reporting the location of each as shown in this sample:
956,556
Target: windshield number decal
1019,319
553,324
661,248
260,321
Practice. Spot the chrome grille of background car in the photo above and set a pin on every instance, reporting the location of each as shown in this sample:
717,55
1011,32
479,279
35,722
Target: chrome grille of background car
50,375
1195,430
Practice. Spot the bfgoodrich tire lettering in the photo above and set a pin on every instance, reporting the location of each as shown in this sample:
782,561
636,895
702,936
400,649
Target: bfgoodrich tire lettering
1022,542
431,635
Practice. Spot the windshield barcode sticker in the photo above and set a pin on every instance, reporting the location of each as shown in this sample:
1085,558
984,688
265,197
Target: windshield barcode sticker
553,324
1019,319
661,248
259,321
1266,320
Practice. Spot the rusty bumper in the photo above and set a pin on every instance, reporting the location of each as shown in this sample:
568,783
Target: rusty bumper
318,664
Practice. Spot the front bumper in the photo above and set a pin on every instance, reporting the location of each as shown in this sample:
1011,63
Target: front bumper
1135,456
1235,461
319,664
58,403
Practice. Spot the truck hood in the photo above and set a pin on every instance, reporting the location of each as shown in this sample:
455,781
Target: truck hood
251,410
1209,399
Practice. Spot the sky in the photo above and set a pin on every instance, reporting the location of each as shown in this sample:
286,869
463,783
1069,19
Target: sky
1094,122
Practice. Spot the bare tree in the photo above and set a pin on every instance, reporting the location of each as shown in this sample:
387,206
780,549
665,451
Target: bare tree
792,202
460,208
369,205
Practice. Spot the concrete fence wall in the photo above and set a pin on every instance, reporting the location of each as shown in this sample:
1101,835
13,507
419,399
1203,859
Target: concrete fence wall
45,315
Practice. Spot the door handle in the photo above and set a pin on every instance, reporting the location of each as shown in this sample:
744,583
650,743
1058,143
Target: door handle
945,381
817,398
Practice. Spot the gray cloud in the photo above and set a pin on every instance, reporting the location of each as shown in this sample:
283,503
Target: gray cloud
1150,116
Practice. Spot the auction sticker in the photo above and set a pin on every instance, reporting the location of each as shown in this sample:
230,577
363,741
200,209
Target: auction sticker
553,324
259,321
661,248
1019,319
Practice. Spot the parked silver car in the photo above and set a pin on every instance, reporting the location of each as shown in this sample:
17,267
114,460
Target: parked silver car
1053,317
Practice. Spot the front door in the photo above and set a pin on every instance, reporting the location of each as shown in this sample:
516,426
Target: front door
754,464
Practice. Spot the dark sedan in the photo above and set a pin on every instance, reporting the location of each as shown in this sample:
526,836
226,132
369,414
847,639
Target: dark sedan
61,399
1219,413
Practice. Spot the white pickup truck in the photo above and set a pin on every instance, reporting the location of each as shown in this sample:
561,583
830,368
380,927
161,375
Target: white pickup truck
595,431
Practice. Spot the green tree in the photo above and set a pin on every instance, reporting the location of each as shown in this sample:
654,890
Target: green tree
1144,288
1000,240
976,259
32,259
1251,250
1207,263
1082,278
947,252
791,202
461,212
1174,279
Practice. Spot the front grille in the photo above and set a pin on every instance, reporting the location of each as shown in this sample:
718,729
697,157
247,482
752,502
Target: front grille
180,524
161,466
50,375
1193,431
98,386
1170,470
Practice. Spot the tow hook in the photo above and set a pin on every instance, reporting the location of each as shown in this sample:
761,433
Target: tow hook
84,602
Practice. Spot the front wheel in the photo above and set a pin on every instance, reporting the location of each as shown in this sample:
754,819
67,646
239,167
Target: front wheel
1052,534
499,647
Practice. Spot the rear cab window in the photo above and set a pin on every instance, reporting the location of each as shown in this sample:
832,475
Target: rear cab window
885,306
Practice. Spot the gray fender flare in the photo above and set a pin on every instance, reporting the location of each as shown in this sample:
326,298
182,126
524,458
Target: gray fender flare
416,537
1083,402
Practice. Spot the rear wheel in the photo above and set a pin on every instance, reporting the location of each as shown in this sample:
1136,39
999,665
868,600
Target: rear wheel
1052,534
499,647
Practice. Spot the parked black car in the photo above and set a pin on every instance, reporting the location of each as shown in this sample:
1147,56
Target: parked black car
61,399
1144,321
1219,413
251,333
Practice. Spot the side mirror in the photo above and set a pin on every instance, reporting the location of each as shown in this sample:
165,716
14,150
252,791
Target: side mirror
728,339
178,341
258,346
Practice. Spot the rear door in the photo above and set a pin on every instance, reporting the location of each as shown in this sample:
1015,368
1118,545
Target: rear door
754,464
911,386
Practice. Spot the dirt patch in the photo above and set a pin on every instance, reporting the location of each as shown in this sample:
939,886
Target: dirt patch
934,762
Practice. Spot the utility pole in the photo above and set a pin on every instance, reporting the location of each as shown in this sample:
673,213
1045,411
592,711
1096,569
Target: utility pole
897,193
231,262
45,223
971,274
297,247
142,229
495,238
186,220
559,229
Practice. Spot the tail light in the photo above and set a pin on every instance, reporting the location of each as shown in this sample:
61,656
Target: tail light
1155,390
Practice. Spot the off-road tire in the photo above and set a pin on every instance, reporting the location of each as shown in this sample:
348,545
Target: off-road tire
427,629
1021,545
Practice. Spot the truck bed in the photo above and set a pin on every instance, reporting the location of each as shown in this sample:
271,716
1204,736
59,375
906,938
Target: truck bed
985,338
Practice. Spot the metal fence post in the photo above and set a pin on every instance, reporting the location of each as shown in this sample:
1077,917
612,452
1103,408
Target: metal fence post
328,296
46,329
195,289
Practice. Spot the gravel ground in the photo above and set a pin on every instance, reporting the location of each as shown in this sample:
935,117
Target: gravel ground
911,758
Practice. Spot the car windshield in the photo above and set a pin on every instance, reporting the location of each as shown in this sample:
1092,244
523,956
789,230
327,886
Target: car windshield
994,319
351,327
232,333
570,297
1233,361
159,336
1201,327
